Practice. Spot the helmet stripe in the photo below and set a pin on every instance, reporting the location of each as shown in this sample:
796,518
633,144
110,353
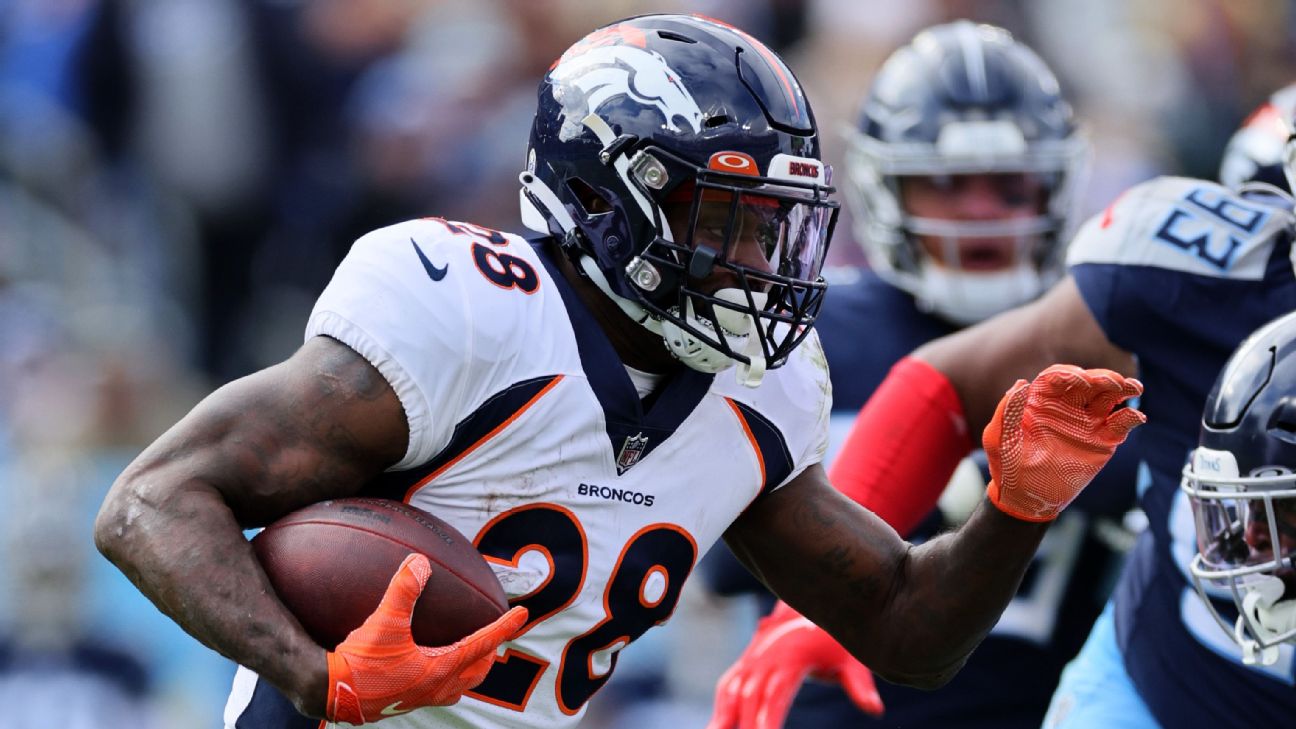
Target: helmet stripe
973,58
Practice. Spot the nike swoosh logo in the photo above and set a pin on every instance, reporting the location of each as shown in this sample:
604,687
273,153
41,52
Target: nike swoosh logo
392,709
434,273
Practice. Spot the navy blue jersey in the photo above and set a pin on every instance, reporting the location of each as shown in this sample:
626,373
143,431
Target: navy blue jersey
866,326
1179,272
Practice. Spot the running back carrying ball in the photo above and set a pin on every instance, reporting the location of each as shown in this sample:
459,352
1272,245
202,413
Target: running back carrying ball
331,562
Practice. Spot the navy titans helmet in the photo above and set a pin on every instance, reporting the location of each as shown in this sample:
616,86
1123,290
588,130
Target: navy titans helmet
1255,151
1241,482
964,99
665,113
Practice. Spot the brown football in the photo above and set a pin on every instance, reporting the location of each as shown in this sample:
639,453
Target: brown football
331,562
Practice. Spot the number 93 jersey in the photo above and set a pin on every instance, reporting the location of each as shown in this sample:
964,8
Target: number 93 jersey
528,435
1178,272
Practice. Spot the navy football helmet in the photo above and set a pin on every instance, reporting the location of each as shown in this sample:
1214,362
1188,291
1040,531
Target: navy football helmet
964,99
1255,151
1241,482
678,112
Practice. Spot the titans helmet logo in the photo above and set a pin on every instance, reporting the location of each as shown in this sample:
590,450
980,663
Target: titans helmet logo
583,82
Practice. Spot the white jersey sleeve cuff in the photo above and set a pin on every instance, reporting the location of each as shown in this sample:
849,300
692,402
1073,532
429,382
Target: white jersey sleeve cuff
417,412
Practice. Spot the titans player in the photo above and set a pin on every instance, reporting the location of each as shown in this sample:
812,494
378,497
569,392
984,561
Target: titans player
596,406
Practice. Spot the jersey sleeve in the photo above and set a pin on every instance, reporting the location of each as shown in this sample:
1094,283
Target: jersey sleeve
805,392
1166,247
405,299
816,444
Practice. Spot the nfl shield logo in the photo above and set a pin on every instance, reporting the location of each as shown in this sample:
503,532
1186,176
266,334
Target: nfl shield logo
631,451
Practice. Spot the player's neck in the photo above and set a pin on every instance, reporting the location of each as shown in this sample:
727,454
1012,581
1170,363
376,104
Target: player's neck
636,346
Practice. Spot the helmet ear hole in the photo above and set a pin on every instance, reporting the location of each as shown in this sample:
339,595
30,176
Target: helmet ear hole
588,198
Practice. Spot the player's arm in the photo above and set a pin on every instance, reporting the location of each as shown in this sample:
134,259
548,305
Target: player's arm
983,360
928,412
902,450
912,614
317,426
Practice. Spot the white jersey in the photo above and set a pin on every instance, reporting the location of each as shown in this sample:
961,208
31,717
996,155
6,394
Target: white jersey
527,434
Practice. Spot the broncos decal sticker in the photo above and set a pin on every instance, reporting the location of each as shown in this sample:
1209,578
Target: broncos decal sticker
587,77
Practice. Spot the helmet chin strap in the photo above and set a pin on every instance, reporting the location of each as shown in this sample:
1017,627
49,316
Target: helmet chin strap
739,330
536,200
641,316
1267,615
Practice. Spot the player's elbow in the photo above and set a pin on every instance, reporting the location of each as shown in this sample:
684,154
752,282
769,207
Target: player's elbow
908,663
117,519
923,653
130,512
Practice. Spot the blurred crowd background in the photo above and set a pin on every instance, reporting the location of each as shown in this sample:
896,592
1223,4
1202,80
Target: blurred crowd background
178,179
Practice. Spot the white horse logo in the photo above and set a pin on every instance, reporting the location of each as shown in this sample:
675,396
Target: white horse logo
582,84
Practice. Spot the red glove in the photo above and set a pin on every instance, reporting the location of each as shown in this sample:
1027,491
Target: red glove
378,671
757,690
1049,437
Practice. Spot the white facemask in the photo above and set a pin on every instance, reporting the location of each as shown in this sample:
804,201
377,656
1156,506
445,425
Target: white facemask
965,298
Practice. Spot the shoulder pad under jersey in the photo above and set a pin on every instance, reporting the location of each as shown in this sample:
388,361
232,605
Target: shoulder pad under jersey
1188,225
795,399
447,312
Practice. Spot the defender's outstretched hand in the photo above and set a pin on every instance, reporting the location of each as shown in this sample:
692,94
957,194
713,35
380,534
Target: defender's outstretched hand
379,672
757,690
1049,437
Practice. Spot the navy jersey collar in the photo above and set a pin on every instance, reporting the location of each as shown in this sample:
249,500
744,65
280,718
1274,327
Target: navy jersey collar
629,420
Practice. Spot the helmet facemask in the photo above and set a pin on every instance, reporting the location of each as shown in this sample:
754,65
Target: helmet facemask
894,235
733,272
1246,539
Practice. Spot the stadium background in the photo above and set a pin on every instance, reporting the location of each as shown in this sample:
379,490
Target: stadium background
178,178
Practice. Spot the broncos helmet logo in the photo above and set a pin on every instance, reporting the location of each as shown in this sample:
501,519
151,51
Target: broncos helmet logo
584,82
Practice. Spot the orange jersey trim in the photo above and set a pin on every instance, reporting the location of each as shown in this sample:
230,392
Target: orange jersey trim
760,459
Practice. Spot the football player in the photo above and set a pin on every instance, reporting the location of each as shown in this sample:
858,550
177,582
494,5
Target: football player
1168,280
1241,484
962,177
596,406
1255,151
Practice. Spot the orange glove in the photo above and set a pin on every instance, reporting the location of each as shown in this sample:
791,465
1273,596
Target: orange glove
378,671
757,690
1049,437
